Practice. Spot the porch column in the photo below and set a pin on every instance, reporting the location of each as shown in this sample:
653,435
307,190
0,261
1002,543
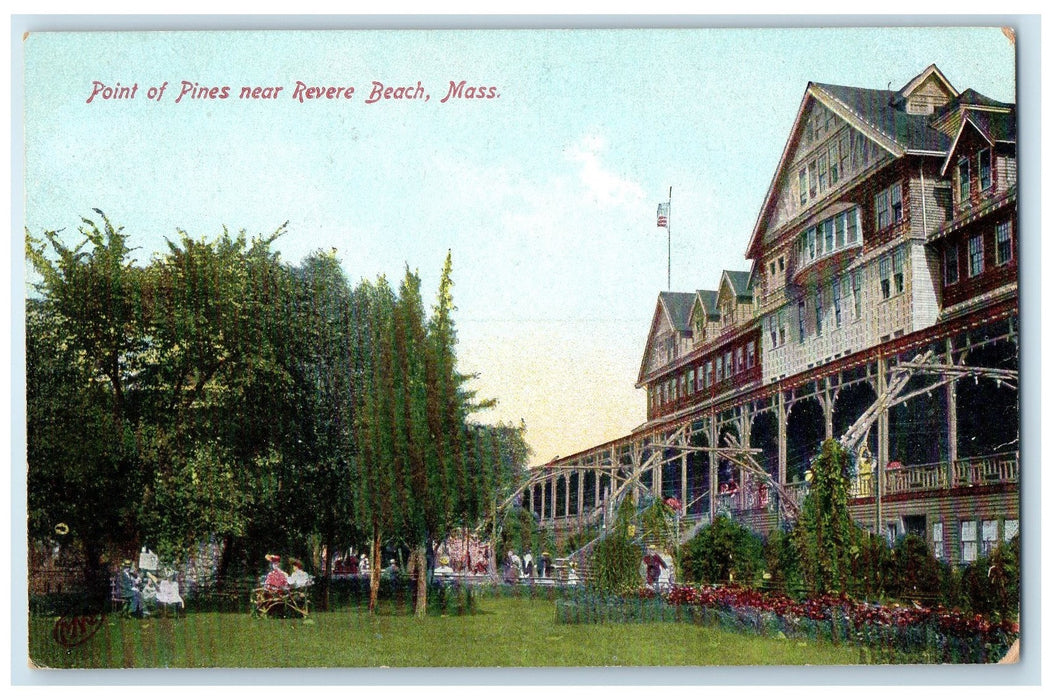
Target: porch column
566,495
544,495
951,413
683,472
580,492
782,439
714,471
883,445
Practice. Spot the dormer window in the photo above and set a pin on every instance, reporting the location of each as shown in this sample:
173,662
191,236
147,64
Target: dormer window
888,205
964,183
985,173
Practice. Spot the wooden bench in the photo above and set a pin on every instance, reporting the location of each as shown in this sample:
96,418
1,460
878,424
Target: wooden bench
292,600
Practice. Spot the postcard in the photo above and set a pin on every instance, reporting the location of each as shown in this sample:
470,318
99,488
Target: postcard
681,347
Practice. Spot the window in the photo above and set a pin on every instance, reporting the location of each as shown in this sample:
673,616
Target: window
975,255
880,203
682,386
739,360
841,223
964,185
937,546
865,150
855,150
818,311
836,302
810,244
771,328
834,164
827,234
674,394
781,263
985,179
888,204
708,374
951,268
990,539
812,179
772,268
803,185
781,326
897,263
856,292
690,382
1003,247
800,319
728,365
823,172
719,369
896,203
845,155
750,354
852,226
1011,530
885,277
969,543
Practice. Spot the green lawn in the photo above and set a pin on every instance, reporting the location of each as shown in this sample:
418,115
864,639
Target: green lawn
507,632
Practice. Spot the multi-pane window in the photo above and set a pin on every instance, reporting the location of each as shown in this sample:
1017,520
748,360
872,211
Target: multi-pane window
772,329
888,204
1011,529
964,182
975,255
750,354
990,536
827,237
937,546
841,224
834,164
800,319
836,302
781,326
1003,238
708,374
818,311
812,179
845,155
690,381
897,263
739,360
728,367
823,172
856,292
811,244
951,268
969,541
682,386
985,173
885,277
827,234
803,185
719,369
852,225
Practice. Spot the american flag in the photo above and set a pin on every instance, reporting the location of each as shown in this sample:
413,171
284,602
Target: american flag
662,215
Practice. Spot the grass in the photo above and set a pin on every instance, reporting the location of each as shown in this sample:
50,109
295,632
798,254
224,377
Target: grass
507,632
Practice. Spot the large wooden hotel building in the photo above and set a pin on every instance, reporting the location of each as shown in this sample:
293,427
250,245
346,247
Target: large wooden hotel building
882,287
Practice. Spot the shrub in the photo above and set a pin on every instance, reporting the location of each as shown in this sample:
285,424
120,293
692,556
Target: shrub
991,584
782,561
825,533
616,562
918,575
724,551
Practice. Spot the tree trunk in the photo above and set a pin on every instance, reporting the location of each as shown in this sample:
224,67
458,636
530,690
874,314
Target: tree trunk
420,555
374,570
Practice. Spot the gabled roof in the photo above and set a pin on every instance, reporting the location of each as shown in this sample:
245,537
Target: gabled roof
878,114
992,127
739,281
909,88
707,299
677,307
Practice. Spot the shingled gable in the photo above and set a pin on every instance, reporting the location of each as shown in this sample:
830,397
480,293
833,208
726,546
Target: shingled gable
705,299
994,121
672,311
880,115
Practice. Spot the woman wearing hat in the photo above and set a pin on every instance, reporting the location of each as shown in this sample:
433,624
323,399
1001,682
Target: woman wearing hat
299,578
276,579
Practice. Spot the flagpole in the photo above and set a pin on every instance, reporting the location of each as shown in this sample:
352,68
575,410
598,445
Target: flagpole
668,229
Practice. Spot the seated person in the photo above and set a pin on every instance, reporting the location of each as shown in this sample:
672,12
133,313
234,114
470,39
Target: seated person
443,568
299,578
276,580
168,590
129,587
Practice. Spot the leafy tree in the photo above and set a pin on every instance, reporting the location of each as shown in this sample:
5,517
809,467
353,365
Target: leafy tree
617,557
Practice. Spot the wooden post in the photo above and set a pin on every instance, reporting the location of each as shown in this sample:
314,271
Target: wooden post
580,493
544,497
683,473
883,446
783,460
951,416
713,467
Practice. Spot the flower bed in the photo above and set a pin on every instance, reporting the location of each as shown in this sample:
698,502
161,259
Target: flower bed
885,634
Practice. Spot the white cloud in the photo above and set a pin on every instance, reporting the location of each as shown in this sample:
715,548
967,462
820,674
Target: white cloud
606,187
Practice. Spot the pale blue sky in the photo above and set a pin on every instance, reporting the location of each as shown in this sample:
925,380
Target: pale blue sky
546,195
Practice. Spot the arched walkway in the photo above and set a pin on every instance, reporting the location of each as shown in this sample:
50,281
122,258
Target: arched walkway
805,430
988,412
